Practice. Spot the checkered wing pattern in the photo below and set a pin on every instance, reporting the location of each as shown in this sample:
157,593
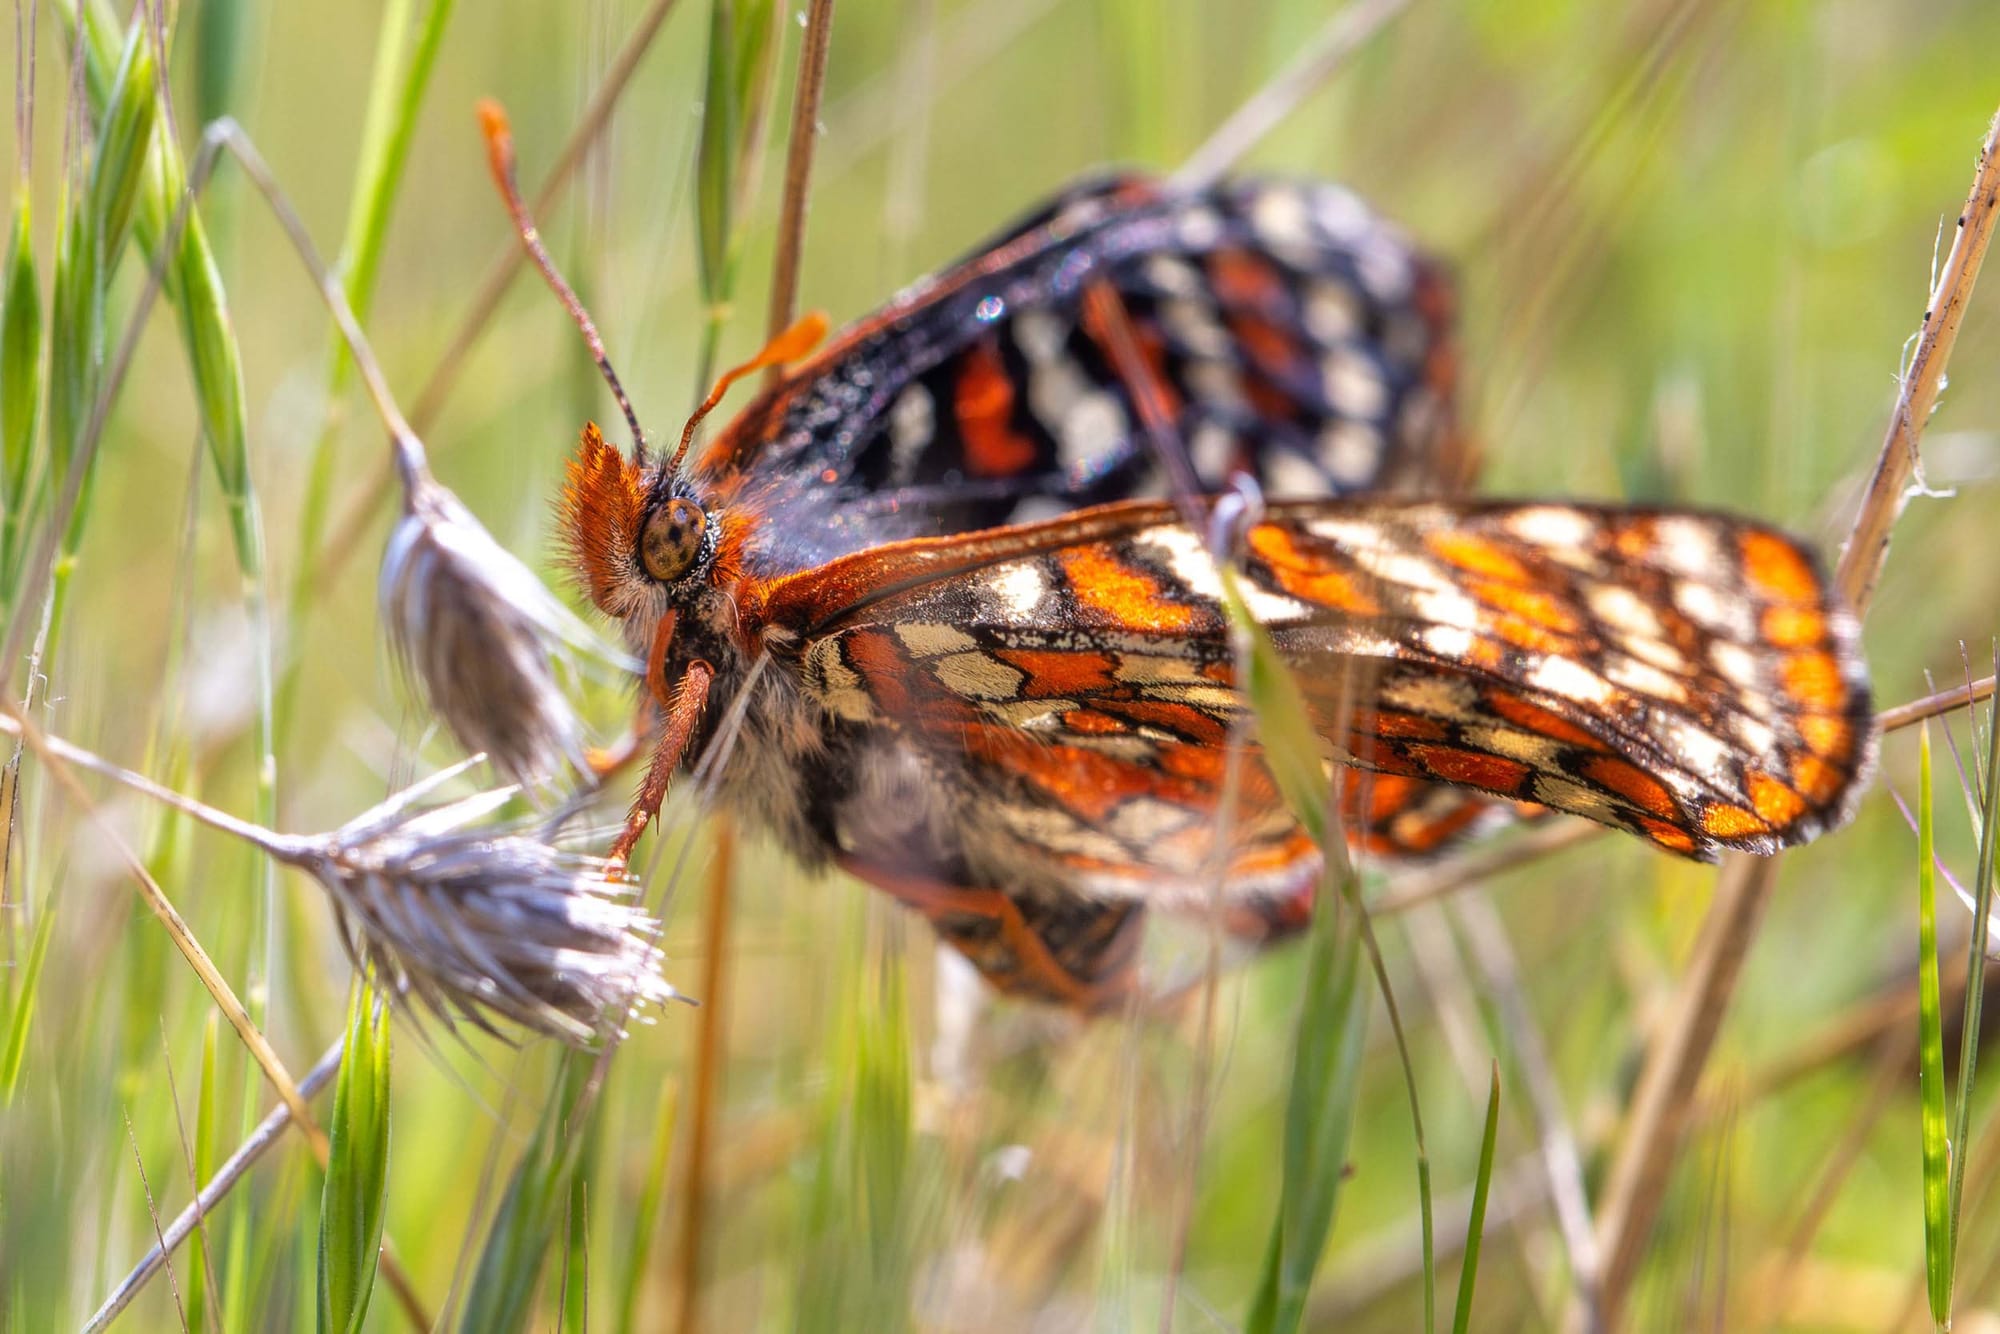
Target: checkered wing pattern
1685,677
1294,336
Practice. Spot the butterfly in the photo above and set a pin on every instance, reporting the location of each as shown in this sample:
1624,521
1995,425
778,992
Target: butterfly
935,597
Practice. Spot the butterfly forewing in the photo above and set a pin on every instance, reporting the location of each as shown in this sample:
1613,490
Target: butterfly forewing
1683,676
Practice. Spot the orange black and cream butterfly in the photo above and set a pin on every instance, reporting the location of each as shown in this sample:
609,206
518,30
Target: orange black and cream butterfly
986,662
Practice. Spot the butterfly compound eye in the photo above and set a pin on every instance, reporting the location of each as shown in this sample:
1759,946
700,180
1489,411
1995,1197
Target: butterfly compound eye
672,539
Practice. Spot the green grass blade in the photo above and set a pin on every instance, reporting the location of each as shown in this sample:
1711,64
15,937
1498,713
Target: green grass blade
736,95
125,135
22,1015
20,383
646,1217
357,1167
395,96
1333,1016
1930,1028
207,1119
532,1212
1475,1228
716,158
576,1260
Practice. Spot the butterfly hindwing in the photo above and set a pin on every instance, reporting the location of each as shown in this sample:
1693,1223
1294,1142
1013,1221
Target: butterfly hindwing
1294,336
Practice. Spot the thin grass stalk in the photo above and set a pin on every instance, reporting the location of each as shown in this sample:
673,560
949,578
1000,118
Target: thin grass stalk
807,92
1268,107
1934,705
646,1215
348,532
267,1133
736,103
1671,1075
58,756
1977,946
708,1074
396,94
201,1276
1938,1236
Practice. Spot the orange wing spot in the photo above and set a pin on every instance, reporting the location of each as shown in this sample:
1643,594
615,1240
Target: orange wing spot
1774,803
1494,773
1635,540
1409,726
1086,785
1828,735
983,402
1476,555
1179,719
1821,782
1309,577
1632,783
1089,722
1536,719
882,663
1671,837
1241,279
1793,627
1123,594
1731,822
1055,674
1201,764
1530,604
1813,681
1413,835
1776,569
1271,349
1387,795
1526,634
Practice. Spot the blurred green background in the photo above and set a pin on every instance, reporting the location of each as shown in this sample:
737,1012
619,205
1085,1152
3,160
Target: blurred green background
1692,238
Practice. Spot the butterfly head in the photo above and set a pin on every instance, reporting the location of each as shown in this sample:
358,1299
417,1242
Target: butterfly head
639,538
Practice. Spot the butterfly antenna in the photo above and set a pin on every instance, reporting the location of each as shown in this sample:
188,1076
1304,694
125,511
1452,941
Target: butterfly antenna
500,159
790,345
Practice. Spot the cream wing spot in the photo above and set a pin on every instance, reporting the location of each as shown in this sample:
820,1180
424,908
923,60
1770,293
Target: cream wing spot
1352,453
1446,697
1020,588
1570,680
1623,610
838,686
978,675
928,639
1552,527
1353,384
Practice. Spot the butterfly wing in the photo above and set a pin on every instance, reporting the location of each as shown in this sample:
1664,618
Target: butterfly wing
1295,337
1685,677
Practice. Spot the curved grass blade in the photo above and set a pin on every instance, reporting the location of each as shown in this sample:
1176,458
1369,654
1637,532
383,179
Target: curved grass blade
534,1210
20,383
357,1167
1475,1229
1333,1017
1930,1028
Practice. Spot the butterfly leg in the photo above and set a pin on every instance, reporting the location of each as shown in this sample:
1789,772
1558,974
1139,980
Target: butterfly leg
683,711
1074,952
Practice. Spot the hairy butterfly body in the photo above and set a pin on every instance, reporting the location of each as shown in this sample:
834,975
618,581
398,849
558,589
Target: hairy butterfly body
986,663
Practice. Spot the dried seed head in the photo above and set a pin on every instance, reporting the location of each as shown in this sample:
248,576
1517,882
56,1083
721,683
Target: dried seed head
477,921
478,635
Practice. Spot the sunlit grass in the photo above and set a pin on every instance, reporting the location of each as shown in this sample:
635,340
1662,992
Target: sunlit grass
1687,243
